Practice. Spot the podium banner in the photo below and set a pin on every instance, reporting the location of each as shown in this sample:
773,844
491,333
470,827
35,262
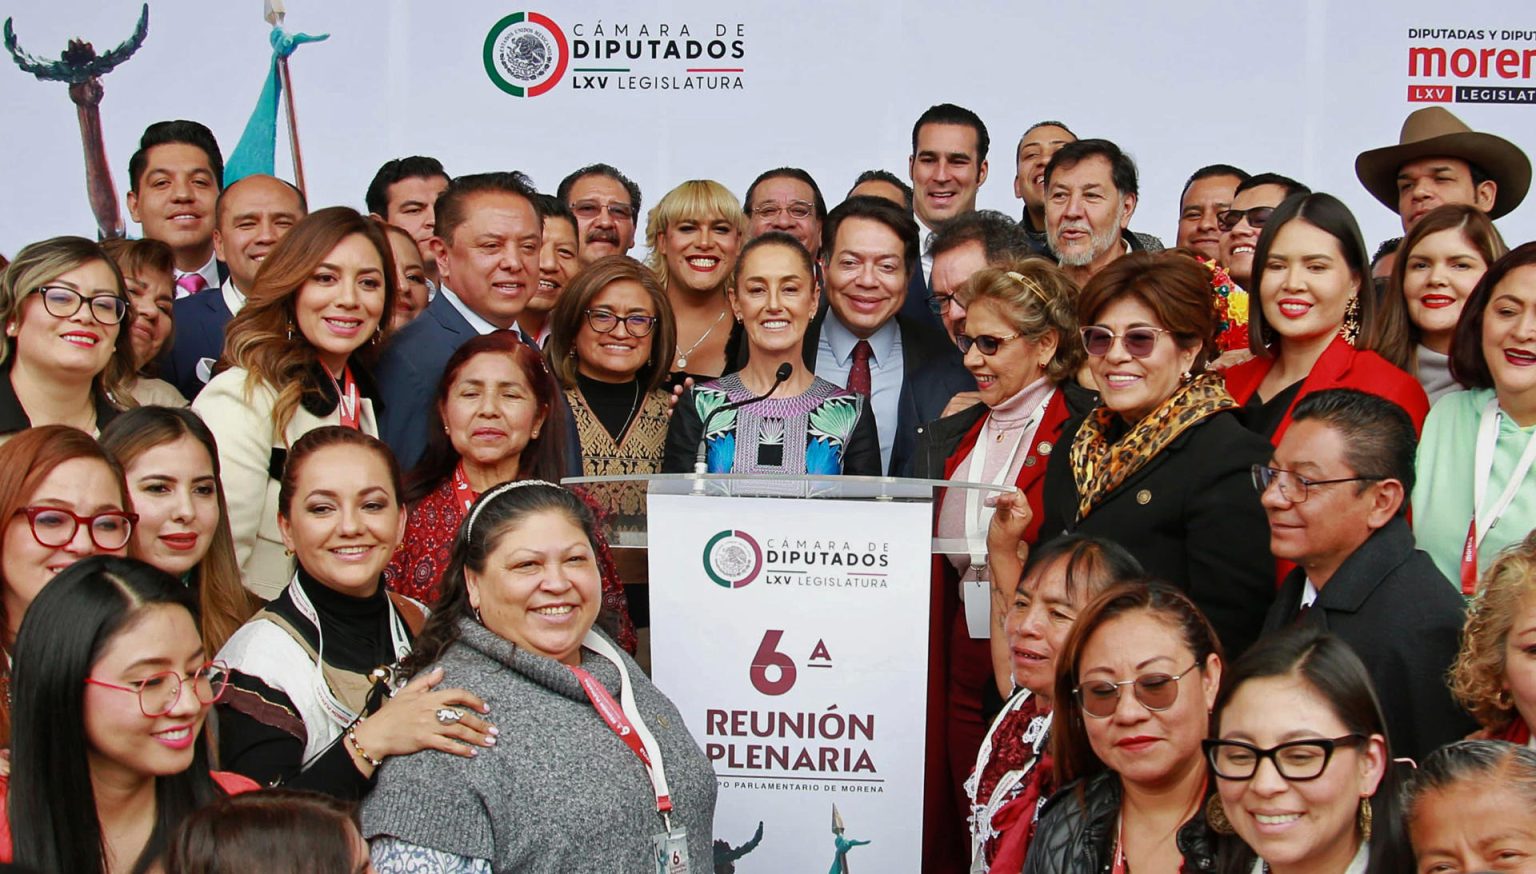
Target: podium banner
791,635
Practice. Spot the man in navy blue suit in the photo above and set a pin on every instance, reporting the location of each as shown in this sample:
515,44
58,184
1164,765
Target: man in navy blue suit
487,240
869,246
249,218
948,165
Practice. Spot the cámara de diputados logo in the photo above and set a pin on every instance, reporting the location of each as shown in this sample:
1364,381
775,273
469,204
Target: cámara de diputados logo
526,54
732,559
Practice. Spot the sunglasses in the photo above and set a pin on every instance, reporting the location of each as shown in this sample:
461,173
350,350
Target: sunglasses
1157,692
1138,342
986,344
1257,216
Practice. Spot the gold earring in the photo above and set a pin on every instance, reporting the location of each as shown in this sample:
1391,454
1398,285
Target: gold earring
1216,816
1365,818
1350,330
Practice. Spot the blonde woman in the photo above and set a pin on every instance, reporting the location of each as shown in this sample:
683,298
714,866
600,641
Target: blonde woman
695,233
295,359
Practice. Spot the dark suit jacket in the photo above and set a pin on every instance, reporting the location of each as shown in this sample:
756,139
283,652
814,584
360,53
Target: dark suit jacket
409,369
1403,618
934,373
915,308
1190,515
200,320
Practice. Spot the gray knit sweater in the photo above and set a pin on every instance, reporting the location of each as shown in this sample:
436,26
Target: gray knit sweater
559,792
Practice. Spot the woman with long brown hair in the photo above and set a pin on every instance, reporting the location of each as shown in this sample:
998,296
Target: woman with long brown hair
295,359
171,464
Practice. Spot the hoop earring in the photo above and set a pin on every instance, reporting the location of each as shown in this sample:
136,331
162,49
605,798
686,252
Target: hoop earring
1216,816
1365,818
1350,330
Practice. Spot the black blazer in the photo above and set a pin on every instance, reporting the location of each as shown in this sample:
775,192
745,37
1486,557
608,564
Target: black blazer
915,308
933,374
1191,516
410,368
1403,618
200,320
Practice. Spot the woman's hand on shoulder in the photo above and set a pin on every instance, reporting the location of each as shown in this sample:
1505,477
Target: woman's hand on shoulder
677,394
409,722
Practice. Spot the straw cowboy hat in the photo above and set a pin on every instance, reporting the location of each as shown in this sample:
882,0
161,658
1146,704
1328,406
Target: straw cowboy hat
1434,132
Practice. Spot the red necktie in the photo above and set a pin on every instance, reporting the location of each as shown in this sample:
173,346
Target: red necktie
191,283
858,375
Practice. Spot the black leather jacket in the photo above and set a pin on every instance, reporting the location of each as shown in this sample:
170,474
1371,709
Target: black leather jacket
1076,834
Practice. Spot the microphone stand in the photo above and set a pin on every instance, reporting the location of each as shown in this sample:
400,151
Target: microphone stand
701,458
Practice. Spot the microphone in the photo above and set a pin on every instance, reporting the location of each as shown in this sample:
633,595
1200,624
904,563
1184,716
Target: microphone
701,461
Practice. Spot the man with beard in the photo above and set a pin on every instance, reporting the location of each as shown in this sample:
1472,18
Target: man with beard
606,204
1091,193
249,218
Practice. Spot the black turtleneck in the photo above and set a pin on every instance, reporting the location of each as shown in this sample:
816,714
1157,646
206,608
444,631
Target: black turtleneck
614,403
356,629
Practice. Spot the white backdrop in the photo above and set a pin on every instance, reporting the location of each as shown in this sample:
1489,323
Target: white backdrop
1296,86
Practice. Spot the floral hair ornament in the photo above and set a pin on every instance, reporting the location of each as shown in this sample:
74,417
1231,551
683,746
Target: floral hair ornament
1029,284
469,523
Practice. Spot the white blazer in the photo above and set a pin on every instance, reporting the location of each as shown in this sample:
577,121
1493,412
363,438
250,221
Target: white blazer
248,447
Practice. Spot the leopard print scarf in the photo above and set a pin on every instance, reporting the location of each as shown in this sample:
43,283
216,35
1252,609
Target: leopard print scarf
1099,466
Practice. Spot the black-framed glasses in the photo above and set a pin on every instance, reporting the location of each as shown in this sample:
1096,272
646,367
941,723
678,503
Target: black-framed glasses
158,693
986,344
1138,342
797,209
1296,761
589,209
54,527
62,303
1294,486
1256,215
940,303
604,322
1158,692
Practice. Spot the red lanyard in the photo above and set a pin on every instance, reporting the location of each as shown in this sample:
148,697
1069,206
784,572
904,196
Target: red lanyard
347,398
613,714
462,490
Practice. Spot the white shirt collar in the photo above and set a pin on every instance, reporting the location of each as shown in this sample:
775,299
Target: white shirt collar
480,325
233,298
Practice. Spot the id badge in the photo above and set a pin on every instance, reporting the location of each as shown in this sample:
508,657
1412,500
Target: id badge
672,852
977,595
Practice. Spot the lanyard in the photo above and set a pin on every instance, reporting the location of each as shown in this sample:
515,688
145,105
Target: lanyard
1119,866
398,639
462,492
977,516
625,720
1482,523
347,398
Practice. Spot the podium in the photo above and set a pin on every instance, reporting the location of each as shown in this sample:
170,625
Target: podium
790,626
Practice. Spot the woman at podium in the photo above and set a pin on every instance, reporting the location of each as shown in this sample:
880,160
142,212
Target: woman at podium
773,415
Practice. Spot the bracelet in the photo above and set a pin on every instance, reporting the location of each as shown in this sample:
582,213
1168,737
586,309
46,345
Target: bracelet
358,748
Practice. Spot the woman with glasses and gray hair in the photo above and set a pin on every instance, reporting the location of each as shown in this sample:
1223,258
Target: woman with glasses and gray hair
1162,465
67,355
1301,764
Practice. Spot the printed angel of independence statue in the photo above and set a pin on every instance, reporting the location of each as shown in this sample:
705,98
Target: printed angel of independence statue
840,861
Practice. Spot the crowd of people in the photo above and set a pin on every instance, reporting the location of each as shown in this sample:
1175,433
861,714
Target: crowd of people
1256,592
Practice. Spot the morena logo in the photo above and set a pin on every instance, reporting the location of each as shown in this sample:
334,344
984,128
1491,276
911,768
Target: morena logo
732,559
526,54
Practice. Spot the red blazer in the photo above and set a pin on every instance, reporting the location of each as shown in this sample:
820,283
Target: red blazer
1341,366
1031,479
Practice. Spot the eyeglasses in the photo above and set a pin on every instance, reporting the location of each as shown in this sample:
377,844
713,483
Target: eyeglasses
62,303
604,322
1257,216
797,209
986,344
589,209
1155,692
1296,761
54,527
1294,486
158,693
940,303
1138,342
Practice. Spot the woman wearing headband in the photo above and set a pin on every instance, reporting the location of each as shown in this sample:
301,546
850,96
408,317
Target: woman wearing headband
305,707
559,792
1021,344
